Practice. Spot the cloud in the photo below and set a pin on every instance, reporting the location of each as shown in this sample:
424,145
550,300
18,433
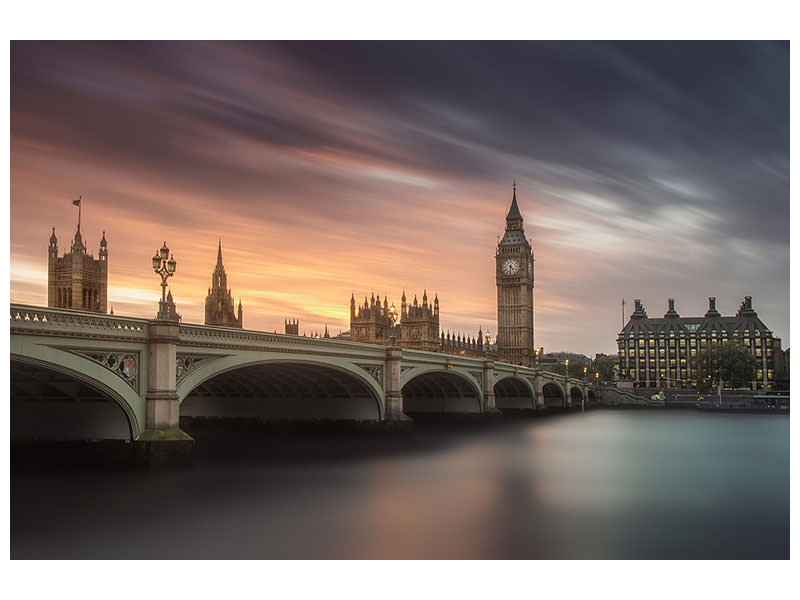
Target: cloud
644,168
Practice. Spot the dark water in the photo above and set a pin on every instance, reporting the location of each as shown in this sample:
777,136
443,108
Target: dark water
607,484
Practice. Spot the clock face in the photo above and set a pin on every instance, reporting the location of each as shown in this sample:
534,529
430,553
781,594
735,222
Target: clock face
510,266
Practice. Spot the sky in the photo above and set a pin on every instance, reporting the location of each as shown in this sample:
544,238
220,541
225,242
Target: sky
644,170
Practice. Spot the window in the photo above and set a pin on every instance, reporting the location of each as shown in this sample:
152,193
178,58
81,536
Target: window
683,343
769,352
652,343
758,352
641,353
652,352
747,342
759,374
693,342
683,362
622,351
661,352
758,342
694,351
631,352
672,363
769,373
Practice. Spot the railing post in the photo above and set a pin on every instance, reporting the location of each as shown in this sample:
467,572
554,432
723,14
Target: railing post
392,391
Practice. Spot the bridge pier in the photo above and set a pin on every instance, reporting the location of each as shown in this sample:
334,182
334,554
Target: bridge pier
489,404
163,440
393,392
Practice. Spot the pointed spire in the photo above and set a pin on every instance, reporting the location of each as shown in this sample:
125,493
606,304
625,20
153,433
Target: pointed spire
219,254
513,212
103,241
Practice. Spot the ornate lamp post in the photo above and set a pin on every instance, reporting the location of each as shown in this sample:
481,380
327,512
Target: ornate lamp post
566,369
165,268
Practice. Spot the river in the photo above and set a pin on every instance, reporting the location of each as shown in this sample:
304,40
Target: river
607,484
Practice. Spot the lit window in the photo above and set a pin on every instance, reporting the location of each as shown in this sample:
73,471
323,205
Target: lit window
631,352
641,342
652,352
769,373
661,352
747,342
671,334
652,342
758,342
758,352
683,343
759,374
694,351
683,362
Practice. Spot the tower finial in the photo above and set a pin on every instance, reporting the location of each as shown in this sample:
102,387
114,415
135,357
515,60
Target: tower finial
515,186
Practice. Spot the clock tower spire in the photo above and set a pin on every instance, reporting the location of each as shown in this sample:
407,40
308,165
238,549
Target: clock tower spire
514,275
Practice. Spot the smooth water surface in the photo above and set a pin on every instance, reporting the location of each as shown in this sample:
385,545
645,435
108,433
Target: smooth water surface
605,484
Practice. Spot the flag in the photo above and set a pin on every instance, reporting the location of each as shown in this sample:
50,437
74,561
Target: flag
77,202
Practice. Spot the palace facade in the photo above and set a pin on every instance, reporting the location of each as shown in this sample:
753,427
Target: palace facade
657,352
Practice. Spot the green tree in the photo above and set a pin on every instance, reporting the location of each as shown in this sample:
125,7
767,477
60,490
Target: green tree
730,361
604,365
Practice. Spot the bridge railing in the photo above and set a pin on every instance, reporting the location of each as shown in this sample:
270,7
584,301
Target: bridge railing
59,321
242,338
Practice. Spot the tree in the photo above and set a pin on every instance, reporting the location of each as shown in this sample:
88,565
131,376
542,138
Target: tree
730,361
604,365
575,368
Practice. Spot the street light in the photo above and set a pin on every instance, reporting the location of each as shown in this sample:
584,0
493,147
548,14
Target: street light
166,269
566,368
584,371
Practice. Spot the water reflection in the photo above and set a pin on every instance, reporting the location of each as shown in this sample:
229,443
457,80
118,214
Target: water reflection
601,485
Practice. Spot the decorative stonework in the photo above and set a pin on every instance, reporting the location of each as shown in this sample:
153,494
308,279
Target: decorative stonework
186,363
375,371
478,375
125,365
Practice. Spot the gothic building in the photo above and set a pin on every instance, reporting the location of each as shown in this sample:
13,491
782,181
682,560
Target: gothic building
419,323
291,327
372,322
77,280
657,352
219,302
415,326
514,276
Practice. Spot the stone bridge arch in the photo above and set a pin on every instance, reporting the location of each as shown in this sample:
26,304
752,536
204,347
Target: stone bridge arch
255,385
514,392
576,394
117,391
553,393
438,389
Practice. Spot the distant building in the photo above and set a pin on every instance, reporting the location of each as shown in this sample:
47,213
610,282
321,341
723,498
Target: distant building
77,280
219,302
291,327
415,326
657,352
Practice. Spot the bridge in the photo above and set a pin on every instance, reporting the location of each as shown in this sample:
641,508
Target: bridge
86,375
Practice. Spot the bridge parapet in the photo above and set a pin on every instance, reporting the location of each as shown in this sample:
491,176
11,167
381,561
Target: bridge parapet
59,321
225,337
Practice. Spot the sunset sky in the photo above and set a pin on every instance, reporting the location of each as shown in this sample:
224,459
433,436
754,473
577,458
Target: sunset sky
645,170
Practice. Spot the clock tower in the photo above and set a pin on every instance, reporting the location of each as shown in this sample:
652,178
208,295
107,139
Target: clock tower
514,272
